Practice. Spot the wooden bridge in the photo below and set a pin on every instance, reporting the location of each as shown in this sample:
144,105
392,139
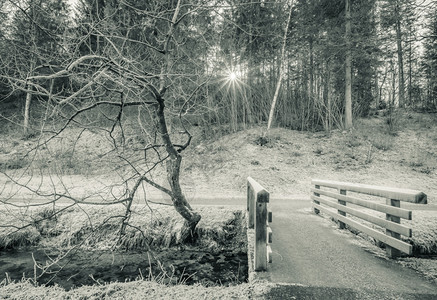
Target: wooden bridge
312,259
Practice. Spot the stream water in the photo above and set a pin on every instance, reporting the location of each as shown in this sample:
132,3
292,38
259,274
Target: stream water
81,267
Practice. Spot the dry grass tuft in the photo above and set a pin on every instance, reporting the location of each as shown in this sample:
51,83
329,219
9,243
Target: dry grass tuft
16,239
220,227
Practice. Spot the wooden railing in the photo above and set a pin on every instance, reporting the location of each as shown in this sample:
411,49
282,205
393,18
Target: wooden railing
259,216
393,212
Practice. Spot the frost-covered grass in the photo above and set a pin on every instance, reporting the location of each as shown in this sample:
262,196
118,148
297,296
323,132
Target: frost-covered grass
129,290
98,227
424,227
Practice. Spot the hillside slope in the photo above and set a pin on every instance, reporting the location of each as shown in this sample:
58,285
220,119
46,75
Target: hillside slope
400,154
404,157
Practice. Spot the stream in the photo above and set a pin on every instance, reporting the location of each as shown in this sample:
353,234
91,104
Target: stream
82,267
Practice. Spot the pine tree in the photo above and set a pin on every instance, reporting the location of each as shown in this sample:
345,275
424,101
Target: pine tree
396,16
36,37
429,62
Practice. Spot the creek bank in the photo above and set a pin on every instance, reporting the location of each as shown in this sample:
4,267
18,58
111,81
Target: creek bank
217,258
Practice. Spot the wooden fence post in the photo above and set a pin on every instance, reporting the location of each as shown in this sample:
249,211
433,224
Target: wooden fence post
341,225
316,211
260,254
392,252
250,204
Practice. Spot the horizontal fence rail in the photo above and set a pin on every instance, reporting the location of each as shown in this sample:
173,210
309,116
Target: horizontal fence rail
324,199
258,218
386,192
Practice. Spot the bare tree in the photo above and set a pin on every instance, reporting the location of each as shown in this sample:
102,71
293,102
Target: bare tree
117,75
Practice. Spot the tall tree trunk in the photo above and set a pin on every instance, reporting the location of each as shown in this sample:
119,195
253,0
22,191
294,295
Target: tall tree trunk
393,86
248,94
348,64
377,96
311,89
281,72
27,111
410,68
33,62
329,99
401,82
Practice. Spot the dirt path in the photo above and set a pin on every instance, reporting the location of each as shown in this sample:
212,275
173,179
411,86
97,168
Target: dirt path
314,260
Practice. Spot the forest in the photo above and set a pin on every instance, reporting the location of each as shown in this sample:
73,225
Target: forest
223,60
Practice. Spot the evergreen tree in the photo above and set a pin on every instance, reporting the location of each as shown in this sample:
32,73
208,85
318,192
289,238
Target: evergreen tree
396,16
36,37
321,27
429,62
366,56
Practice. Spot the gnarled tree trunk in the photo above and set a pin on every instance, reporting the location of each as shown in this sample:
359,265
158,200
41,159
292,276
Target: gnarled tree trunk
180,203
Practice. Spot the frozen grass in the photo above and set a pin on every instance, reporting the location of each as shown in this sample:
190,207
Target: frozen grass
424,226
16,239
425,266
128,290
99,228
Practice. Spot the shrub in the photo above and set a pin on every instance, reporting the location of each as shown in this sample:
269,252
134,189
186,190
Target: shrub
13,164
382,142
353,141
23,237
262,141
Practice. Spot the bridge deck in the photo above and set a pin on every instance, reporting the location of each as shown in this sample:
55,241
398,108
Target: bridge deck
312,259
308,250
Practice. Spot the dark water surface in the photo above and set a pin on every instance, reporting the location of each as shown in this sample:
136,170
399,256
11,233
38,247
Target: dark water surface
81,267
